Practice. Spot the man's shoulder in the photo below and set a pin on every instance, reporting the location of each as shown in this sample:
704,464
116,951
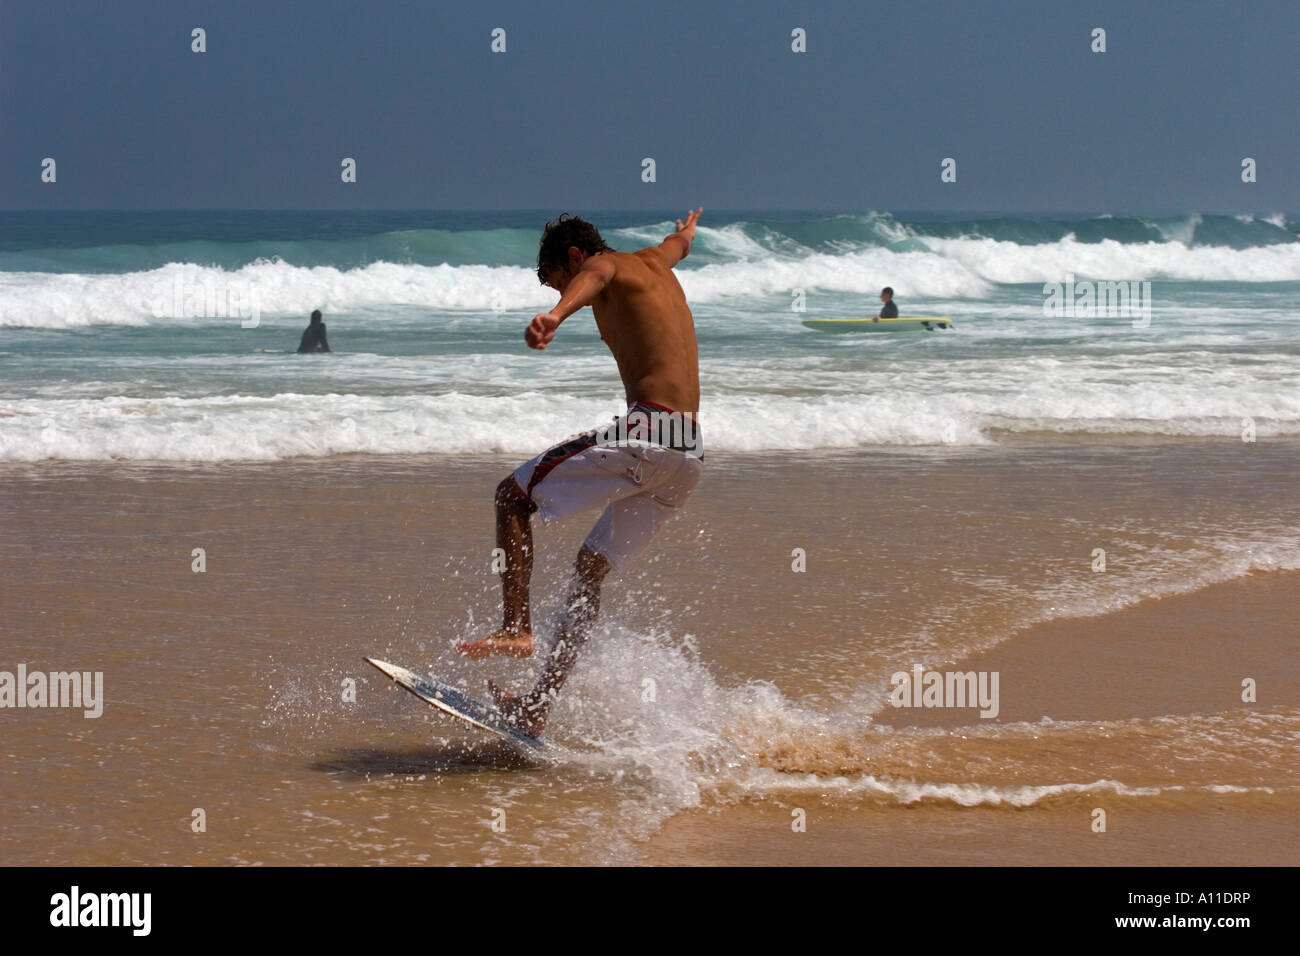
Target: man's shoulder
626,266
651,257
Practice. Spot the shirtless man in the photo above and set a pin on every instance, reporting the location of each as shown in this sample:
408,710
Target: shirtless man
640,470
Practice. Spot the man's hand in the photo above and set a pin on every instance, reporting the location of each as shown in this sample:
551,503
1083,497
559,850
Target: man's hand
671,253
687,230
541,330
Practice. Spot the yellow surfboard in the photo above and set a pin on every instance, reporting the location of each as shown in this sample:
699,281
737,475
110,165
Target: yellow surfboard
900,324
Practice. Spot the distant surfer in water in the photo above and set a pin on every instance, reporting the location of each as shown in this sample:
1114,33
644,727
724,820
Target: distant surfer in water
888,310
313,337
640,469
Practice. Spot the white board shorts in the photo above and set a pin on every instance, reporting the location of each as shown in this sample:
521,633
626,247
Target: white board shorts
640,483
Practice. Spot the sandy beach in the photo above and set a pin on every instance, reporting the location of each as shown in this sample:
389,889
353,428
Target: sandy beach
224,690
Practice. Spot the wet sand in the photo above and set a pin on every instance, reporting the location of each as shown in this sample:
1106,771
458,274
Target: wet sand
1181,655
225,689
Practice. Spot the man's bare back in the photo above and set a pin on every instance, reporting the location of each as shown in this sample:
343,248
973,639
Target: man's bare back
642,315
643,318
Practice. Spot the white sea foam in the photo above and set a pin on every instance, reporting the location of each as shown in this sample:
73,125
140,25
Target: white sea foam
50,300
999,261
244,427
965,268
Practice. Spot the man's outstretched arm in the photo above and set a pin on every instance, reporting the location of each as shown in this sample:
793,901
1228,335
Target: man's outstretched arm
590,282
677,246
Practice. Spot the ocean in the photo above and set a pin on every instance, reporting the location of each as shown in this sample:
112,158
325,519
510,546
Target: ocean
1101,508
124,333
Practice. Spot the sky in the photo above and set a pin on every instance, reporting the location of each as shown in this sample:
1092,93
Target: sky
712,92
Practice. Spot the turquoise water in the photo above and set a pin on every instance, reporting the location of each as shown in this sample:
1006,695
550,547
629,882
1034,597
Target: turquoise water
171,335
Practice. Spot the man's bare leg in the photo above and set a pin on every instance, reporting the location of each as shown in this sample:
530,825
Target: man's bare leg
515,538
580,611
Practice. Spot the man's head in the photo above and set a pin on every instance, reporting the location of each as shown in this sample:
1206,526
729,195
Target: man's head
566,243
315,316
886,294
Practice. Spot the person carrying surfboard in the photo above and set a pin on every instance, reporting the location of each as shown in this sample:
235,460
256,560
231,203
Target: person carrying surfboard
888,310
640,469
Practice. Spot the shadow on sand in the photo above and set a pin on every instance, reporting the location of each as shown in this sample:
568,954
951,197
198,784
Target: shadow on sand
373,762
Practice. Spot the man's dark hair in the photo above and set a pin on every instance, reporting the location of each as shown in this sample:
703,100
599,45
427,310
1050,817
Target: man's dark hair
887,291
315,316
558,236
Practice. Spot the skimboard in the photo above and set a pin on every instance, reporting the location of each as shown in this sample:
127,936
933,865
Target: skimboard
900,324
459,704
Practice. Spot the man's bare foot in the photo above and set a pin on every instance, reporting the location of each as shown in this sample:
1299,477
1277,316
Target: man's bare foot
506,642
516,711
